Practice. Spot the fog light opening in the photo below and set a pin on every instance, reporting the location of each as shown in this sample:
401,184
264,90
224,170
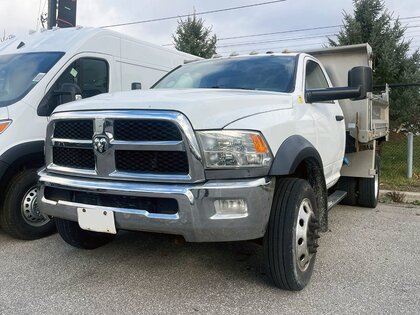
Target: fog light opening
230,209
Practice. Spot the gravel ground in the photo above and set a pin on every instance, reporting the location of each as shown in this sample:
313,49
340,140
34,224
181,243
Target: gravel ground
369,262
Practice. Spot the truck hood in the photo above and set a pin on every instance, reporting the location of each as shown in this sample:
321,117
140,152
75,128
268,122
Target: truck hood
205,108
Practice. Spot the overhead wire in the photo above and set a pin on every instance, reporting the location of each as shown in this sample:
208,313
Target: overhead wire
196,13
263,42
293,31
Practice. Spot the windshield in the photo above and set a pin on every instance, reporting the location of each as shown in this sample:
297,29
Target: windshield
19,73
266,73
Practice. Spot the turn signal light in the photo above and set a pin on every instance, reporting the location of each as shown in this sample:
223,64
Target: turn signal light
4,124
259,144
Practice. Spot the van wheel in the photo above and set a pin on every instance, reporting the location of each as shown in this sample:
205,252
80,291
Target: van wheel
20,216
291,239
369,188
73,235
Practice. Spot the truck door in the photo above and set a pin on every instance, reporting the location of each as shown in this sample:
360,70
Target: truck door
329,123
90,74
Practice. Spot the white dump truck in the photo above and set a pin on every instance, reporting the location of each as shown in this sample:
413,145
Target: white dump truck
42,70
227,149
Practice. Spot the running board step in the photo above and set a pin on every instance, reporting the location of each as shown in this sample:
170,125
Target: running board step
335,198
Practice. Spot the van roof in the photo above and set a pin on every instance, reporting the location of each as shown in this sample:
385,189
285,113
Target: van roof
65,40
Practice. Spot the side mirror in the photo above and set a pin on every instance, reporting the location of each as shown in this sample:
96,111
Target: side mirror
359,83
68,92
361,76
136,86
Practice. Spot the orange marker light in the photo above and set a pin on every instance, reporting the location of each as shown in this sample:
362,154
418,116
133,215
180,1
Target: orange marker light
259,144
4,124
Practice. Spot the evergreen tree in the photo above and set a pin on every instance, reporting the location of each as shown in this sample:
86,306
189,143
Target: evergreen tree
372,23
194,38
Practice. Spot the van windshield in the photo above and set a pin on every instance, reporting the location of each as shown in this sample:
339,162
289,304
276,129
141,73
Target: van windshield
19,73
266,73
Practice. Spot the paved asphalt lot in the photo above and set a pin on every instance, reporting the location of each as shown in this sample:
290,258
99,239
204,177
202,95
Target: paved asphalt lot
369,262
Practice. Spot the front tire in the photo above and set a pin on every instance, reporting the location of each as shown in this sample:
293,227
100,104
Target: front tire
20,216
73,235
290,243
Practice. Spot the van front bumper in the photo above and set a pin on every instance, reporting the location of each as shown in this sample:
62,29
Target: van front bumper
197,219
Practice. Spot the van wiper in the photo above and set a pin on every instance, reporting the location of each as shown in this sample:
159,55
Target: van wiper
230,87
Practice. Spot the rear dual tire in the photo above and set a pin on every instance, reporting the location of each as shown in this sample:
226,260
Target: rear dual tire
369,188
361,191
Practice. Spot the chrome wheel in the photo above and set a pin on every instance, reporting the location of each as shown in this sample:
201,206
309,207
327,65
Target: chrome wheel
30,210
306,234
376,185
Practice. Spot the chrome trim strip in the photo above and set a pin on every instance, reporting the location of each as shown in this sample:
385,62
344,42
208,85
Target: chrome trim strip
148,145
149,176
66,170
140,189
71,143
120,210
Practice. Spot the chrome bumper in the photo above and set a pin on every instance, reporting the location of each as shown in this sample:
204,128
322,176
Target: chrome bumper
196,219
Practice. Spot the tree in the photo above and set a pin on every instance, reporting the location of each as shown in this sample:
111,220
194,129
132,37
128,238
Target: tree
372,23
194,38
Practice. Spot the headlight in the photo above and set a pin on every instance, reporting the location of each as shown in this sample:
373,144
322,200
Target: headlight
233,149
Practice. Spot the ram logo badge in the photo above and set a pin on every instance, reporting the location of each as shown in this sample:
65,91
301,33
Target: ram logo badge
100,144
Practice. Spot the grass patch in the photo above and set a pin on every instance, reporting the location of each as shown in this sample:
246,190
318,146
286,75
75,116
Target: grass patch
394,164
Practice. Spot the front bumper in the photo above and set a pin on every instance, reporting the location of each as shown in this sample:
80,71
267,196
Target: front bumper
195,220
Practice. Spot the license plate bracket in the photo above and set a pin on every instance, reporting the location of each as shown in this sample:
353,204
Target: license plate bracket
96,220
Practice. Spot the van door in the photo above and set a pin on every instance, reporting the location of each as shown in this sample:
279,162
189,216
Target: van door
329,123
90,74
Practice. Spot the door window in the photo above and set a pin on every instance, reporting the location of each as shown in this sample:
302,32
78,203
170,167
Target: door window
315,78
90,74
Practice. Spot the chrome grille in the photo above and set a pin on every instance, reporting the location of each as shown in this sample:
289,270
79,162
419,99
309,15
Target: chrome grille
170,162
130,145
74,129
73,157
146,130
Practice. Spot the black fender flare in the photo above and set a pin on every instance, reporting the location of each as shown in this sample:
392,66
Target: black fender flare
291,153
21,153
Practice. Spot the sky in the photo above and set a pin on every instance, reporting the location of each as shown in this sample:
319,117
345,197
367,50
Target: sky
19,16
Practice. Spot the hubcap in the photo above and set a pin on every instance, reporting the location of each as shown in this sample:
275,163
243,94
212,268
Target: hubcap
306,235
30,209
376,185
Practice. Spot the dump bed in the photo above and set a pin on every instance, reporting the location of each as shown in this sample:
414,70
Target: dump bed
366,119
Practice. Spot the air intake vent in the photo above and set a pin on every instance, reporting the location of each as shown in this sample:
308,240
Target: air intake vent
146,130
77,129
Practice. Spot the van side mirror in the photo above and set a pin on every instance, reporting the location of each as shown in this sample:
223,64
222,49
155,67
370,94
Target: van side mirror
136,86
359,84
361,76
68,92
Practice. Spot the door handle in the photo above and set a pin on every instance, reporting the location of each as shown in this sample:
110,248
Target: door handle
339,118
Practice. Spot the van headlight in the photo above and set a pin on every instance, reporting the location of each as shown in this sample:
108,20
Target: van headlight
234,149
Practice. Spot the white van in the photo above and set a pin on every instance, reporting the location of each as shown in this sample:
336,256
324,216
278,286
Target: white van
42,70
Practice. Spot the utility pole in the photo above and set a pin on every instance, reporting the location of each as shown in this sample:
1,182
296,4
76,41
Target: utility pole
52,14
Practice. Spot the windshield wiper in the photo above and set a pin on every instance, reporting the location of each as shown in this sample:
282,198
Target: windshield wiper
230,87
